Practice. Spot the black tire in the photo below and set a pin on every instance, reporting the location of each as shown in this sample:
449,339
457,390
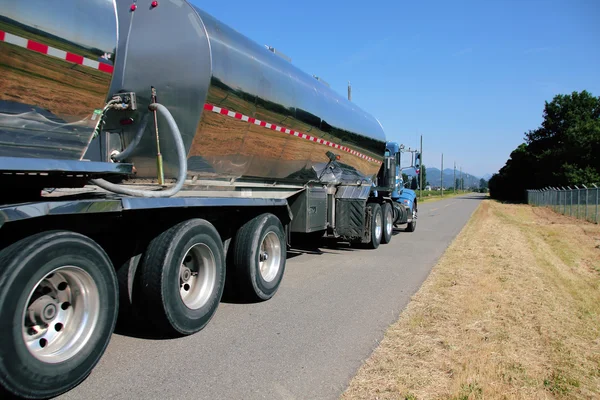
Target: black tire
249,282
388,223
411,226
158,284
28,264
376,214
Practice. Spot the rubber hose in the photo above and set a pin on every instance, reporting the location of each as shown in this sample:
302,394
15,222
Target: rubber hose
136,140
120,189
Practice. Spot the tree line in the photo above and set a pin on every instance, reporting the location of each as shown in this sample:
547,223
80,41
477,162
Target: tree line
563,151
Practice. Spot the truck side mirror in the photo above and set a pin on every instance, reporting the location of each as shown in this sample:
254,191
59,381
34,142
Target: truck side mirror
418,161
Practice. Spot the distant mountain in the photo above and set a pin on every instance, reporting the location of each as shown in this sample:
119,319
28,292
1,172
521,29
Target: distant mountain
434,178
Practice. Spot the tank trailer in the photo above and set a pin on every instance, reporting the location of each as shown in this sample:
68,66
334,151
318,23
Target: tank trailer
150,157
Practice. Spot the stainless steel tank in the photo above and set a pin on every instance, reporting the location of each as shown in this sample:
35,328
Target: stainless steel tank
55,70
244,112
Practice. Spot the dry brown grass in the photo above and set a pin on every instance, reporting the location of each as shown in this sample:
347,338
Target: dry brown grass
436,196
258,151
68,90
511,311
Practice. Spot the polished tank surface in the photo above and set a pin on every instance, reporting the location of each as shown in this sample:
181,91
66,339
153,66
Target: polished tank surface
250,80
55,71
244,112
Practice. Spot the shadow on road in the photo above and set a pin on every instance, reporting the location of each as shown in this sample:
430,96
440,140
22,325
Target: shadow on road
132,324
399,231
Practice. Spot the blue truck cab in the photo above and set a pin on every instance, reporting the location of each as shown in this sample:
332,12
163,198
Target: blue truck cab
404,199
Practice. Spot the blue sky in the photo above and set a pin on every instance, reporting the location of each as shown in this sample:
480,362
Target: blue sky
96,25
470,76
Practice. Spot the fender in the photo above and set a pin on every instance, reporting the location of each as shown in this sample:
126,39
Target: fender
407,198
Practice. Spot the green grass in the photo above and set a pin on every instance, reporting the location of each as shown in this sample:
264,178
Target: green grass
429,196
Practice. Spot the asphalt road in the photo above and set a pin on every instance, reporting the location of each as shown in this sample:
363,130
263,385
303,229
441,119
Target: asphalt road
307,342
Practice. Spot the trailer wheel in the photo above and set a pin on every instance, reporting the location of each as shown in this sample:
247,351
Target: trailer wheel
388,223
181,278
58,308
376,226
258,255
413,224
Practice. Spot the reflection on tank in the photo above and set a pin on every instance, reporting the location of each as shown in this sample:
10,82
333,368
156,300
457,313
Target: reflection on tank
49,136
49,74
210,64
235,148
250,80
294,118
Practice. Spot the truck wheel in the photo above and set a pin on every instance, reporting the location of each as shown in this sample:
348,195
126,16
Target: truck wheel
181,278
258,257
388,223
376,226
413,224
58,308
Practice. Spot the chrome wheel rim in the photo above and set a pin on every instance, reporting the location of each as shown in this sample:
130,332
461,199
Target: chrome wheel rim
197,276
269,257
378,222
388,223
60,314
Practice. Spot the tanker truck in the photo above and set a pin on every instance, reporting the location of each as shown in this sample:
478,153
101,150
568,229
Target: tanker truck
150,157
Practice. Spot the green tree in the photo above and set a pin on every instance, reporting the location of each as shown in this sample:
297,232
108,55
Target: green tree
457,184
423,172
414,184
563,151
404,178
483,184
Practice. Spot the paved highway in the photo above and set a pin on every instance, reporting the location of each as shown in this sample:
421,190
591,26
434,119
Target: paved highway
305,343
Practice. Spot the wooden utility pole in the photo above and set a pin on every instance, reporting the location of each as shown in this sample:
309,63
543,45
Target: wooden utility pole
420,174
442,176
349,91
454,177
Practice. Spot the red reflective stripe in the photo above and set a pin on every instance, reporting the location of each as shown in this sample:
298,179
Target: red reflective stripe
274,127
74,58
40,48
105,67
45,49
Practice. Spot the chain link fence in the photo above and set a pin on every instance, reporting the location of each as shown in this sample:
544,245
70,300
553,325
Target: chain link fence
579,202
